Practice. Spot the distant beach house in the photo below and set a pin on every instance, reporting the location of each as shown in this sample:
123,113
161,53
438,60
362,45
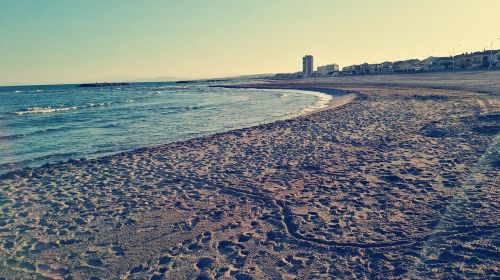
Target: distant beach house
328,69
495,61
464,61
438,63
406,65
385,67
481,59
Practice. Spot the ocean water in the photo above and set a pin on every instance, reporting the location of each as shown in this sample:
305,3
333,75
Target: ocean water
46,124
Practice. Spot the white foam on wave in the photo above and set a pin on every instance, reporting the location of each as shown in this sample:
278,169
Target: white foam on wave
322,100
44,110
61,108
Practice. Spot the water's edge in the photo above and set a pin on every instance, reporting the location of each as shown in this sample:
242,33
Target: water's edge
332,92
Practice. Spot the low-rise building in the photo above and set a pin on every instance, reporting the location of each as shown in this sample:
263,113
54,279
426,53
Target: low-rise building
348,70
481,59
438,63
409,65
288,76
386,67
478,59
495,58
463,61
328,69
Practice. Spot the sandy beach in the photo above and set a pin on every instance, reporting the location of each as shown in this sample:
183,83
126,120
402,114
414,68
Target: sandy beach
394,180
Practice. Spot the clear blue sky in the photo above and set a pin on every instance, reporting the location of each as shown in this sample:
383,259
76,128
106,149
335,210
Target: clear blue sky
44,41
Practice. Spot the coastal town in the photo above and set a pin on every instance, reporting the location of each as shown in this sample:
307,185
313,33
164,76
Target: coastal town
478,60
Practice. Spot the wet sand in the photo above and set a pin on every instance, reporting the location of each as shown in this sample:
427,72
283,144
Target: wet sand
400,182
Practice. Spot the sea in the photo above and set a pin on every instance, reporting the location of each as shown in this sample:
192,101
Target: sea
52,123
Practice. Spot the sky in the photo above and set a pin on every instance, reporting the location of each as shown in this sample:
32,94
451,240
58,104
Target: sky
50,41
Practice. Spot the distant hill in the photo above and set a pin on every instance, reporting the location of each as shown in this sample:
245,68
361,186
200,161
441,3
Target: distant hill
156,79
254,76
222,79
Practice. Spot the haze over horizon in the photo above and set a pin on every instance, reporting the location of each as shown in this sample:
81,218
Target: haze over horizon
48,42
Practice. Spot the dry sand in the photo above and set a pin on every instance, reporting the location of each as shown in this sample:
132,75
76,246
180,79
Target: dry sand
401,182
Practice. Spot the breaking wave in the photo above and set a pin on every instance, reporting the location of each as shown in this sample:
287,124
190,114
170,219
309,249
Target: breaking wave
63,108
322,100
44,110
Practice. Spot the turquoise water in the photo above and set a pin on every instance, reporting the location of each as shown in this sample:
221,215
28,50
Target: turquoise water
40,124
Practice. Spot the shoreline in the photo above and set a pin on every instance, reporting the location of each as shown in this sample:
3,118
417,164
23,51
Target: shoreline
381,181
336,101
339,98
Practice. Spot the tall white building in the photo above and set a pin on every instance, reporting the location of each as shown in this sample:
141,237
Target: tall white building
307,65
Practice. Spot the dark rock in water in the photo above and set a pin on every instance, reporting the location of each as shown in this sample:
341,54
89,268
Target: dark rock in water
104,85
185,82
217,80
